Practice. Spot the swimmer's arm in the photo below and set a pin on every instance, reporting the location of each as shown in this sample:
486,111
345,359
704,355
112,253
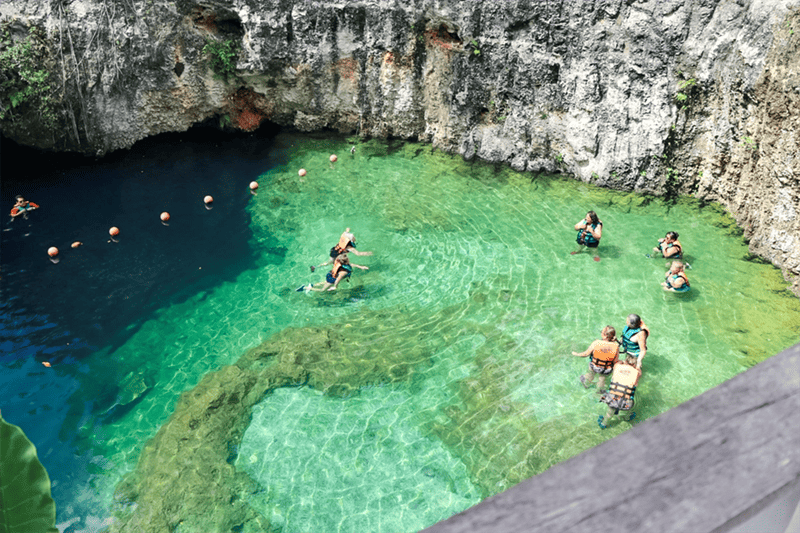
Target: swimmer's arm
356,252
589,350
362,267
597,232
580,225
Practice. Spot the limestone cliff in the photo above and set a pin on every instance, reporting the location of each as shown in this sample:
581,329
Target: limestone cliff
657,96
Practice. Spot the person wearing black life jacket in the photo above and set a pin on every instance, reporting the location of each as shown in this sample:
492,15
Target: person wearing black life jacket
602,353
347,243
590,229
669,247
342,268
621,391
634,340
675,279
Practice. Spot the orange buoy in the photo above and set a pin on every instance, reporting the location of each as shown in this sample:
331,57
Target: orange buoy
47,364
208,200
114,231
52,251
76,244
164,216
302,172
253,185
333,158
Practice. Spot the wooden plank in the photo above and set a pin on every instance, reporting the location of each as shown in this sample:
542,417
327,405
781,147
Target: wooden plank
704,466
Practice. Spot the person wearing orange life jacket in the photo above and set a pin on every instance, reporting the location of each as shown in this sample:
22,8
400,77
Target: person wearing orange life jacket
342,268
21,207
675,279
634,340
602,353
347,243
620,395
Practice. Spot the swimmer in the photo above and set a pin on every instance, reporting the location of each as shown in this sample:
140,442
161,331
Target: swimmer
634,340
603,353
675,279
21,207
669,247
347,243
342,268
590,229
621,391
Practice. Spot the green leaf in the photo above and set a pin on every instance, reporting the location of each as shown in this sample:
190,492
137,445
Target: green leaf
25,502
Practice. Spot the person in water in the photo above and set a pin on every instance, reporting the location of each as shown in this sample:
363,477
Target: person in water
634,340
602,353
675,279
619,396
347,243
21,207
590,229
669,247
342,268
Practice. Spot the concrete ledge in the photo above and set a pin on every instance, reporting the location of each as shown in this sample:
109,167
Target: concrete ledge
708,465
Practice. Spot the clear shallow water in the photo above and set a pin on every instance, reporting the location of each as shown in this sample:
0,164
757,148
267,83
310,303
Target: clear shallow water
469,310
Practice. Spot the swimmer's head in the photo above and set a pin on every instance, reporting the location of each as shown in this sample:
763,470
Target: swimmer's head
343,259
672,236
634,321
20,199
676,267
591,215
609,333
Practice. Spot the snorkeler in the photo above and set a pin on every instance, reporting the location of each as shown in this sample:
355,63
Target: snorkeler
675,279
621,391
590,229
342,268
21,207
603,353
347,243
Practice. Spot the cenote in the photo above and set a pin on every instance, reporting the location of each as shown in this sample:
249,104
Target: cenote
438,377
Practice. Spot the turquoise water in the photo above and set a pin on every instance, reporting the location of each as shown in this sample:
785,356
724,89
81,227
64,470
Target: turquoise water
453,379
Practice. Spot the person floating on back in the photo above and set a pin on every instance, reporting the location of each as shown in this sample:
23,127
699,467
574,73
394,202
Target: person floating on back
669,247
22,207
590,229
675,279
621,391
602,354
347,243
342,268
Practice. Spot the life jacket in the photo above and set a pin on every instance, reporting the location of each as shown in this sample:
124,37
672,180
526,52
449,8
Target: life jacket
605,354
676,244
685,286
340,266
623,386
628,333
27,207
345,241
588,238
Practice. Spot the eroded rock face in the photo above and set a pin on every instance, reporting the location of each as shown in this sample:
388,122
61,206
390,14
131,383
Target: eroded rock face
694,97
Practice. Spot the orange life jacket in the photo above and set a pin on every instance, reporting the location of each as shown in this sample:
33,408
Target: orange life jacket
605,353
624,380
344,241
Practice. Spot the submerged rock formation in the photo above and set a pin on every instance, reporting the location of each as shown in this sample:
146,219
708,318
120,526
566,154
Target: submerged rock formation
665,97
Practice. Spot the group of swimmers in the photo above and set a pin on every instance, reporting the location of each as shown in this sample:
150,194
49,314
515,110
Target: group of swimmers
604,353
342,267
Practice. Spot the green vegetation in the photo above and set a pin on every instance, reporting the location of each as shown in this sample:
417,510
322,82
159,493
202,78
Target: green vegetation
475,47
24,81
749,143
682,96
222,57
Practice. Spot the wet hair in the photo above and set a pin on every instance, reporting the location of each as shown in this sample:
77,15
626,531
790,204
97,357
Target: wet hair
19,197
609,332
677,263
635,320
343,259
594,217
672,235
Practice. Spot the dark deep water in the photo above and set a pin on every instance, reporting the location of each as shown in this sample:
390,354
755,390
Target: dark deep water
99,294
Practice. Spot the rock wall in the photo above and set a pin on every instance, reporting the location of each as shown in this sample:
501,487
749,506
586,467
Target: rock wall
658,96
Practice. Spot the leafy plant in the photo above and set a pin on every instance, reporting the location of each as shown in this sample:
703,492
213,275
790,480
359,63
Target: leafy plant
543,116
643,173
559,158
683,88
476,50
222,57
24,485
24,82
